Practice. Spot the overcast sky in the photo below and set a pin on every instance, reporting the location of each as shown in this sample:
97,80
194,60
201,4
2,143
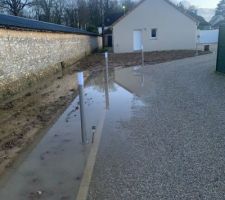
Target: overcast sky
204,3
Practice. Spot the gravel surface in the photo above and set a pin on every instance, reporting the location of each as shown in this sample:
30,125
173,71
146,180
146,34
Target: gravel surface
25,117
172,146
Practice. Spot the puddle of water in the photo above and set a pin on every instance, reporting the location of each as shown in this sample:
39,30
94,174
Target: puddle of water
130,79
54,168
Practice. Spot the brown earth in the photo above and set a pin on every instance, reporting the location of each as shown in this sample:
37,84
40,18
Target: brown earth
26,118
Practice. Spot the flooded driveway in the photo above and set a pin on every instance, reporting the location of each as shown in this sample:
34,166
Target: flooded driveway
53,169
162,138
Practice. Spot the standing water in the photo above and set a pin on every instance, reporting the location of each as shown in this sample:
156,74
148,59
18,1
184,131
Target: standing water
54,168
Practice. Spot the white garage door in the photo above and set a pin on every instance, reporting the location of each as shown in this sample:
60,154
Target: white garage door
137,40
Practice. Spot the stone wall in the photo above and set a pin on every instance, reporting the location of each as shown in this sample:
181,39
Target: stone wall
27,57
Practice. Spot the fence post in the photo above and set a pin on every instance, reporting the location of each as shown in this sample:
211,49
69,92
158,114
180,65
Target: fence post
80,80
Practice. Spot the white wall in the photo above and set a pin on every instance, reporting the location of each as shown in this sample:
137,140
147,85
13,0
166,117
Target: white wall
175,30
208,36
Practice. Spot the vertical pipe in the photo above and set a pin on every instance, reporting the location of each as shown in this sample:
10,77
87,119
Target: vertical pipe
93,134
103,22
142,56
106,63
196,52
106,80
198,38
80,78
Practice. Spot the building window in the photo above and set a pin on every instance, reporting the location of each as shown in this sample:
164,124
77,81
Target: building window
154,33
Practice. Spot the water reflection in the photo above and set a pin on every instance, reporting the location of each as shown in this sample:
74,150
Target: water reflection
130,79
80,77
59,157
106,75
97,81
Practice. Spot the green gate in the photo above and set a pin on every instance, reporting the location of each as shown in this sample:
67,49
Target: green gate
220,66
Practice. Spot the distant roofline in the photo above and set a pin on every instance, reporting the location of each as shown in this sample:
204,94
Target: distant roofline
167,1
14,22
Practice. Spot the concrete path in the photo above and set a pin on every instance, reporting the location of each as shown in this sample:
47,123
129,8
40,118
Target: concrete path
164,135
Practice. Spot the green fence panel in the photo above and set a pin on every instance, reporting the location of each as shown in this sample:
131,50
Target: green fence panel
220,66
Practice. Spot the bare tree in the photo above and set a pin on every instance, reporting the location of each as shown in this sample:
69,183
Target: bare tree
70,13
44,9
84,14
14,7
95,12
220,10
70,16
58,11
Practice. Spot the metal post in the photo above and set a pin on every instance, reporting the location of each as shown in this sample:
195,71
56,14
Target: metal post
106,80
80,78
196,52
103,22
93,133
198,37
142,56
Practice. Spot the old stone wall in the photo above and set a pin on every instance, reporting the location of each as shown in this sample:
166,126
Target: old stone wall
27,57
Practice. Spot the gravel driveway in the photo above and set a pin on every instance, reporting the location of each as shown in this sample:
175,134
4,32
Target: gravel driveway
171,144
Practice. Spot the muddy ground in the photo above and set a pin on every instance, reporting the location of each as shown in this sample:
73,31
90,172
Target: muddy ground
26,118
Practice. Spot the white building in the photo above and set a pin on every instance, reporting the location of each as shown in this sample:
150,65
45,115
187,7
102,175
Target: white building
208,40
157,25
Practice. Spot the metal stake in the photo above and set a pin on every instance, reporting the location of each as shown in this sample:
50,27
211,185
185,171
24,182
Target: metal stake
198,38
106,80
142,56
196,52
80,78
93,133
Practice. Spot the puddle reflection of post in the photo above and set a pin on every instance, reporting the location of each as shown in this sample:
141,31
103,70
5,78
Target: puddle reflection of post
142,56
80,78
142,80
106,80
